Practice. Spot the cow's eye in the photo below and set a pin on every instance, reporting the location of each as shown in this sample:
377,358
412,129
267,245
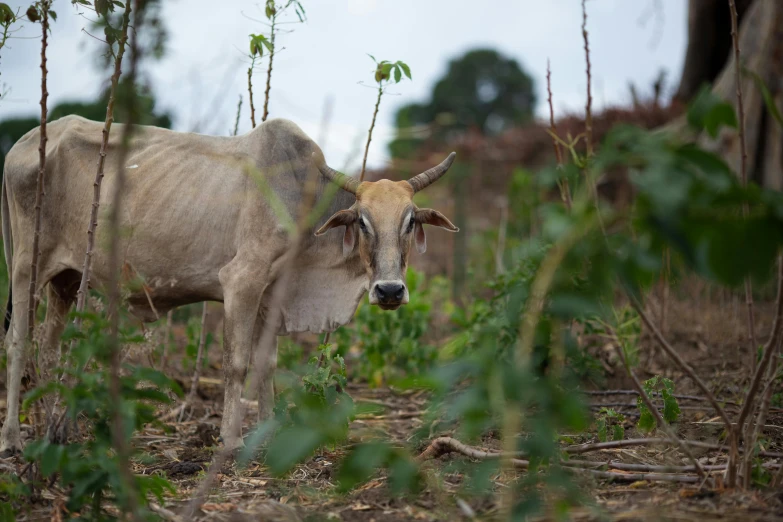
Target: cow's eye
410,227
362,225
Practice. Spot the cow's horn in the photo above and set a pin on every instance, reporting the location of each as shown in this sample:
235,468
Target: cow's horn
346,183
430,176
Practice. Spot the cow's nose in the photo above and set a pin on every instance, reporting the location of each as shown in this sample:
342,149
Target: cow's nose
390,292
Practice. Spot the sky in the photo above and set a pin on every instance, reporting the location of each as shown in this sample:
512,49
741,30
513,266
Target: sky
324,61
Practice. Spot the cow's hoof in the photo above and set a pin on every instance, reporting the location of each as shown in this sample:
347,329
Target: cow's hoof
10,452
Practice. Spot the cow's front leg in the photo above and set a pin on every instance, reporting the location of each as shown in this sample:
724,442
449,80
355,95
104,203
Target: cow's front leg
243,286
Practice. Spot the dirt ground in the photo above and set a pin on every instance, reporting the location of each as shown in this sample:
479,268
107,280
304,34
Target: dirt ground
707,334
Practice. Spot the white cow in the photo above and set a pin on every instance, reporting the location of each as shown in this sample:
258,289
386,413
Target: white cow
196,228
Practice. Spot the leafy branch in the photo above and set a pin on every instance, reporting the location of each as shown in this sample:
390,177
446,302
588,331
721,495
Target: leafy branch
385,73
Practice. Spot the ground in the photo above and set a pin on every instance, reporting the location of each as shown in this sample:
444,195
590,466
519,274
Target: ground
707,334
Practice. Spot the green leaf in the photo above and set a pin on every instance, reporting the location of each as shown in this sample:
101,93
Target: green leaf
709,112
618,433
397,74
53,15
601,430
361,463
290,446
769,101
50,459
646,420
373,57
6,15
405,69
102,7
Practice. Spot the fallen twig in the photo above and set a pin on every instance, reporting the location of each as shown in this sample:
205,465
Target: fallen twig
443,445
164,513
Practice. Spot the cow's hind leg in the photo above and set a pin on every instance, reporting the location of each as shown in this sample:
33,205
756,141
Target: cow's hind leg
61,293
265,364
16,351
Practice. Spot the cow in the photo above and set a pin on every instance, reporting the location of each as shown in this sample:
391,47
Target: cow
201,221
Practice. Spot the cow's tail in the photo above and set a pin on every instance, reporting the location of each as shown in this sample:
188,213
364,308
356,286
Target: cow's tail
8,251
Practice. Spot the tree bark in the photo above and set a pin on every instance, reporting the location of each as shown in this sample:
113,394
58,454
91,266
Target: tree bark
761,46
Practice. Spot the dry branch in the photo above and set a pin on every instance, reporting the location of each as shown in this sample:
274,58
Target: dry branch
269,71
589,104
761,369
118,430
369,134
32,302
651,407
443,445
179,411
743,173
250,91
84,284
565,191
685,367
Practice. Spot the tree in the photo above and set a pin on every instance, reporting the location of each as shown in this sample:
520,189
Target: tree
12,129
710,60
482,89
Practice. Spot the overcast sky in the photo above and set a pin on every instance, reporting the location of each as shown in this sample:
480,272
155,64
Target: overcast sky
205,67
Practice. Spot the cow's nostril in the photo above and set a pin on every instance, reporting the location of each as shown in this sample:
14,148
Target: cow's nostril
390,292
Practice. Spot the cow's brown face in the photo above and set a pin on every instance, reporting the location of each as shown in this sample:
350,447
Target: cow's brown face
382,224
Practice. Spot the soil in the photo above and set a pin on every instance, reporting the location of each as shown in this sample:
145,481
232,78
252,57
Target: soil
708,334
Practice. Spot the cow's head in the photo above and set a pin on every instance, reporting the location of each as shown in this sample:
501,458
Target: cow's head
383,223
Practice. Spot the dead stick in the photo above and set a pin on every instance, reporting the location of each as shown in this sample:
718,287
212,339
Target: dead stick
651,407
81,299
199,356
685,367
743,171
269,71
565,191
369,134
769,349
118,429
250,90
443,445
32,302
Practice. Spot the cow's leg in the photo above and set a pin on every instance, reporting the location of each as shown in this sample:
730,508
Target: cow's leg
10,437
243,284
57,306
265,359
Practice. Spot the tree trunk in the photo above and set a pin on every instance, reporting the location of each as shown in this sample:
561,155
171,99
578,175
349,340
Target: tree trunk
709,44
761,48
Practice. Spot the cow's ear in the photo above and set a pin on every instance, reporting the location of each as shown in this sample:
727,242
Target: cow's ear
427,216
343,218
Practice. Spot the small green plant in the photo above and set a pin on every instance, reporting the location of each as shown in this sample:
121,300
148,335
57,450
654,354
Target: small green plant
384,74
391,345
258,42
609,424
88,470
311,413
671,409
193,333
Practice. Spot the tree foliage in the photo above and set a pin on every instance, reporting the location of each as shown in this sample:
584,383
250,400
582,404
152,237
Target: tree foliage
12,129
482,89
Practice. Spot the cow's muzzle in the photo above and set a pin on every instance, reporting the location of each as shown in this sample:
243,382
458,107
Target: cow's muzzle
389,295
